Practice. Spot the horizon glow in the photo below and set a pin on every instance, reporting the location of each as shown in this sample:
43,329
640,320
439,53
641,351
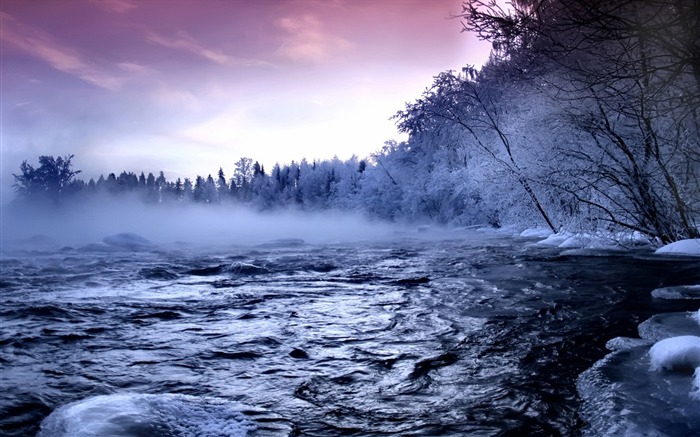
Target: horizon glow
190,86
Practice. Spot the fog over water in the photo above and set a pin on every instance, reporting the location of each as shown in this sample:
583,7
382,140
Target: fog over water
90,222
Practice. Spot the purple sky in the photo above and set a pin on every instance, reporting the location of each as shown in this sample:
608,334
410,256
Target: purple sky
186,86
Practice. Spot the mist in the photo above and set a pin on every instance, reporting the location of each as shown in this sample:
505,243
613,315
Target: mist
42,226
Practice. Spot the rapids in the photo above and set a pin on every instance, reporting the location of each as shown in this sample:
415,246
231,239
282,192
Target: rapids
419,335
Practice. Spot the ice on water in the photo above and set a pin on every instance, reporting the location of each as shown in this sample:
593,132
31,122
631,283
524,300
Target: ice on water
135,415
677,292
666,325
648,386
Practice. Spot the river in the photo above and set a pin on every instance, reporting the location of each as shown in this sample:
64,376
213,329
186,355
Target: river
454,333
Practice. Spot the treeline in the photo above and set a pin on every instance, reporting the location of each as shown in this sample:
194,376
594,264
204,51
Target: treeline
586,118
54,181
357,185
379,186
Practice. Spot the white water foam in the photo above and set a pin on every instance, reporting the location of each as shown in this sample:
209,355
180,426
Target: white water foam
139,415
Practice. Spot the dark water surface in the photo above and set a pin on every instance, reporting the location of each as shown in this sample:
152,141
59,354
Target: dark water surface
480,335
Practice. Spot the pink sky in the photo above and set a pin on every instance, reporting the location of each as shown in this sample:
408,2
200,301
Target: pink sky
187,86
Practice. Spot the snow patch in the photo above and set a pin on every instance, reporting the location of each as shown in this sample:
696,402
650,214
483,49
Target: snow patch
690,247
576,240
676,353
568,240
536,233
556,239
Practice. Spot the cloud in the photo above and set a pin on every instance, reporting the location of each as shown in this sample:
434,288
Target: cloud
115,6
42,46
307,40
185,42
135,68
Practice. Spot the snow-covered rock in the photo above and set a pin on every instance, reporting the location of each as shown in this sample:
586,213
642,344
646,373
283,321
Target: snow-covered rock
689,247
676,353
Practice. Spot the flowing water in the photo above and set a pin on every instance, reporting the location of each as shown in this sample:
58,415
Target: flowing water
460,334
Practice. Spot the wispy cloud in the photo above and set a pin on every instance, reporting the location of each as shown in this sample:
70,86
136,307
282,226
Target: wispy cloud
115,6
66,59
134,68
185,42
307,40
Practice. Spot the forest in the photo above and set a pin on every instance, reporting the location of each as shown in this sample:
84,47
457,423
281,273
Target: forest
585,118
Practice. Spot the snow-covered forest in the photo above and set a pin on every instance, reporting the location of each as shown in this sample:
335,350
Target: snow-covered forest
586,117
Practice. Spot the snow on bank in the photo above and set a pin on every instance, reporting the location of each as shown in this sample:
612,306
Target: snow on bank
536,233
599,241
649,386
609,241
690,247
556,239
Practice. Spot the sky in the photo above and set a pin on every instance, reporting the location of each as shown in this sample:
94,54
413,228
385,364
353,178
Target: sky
188,86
